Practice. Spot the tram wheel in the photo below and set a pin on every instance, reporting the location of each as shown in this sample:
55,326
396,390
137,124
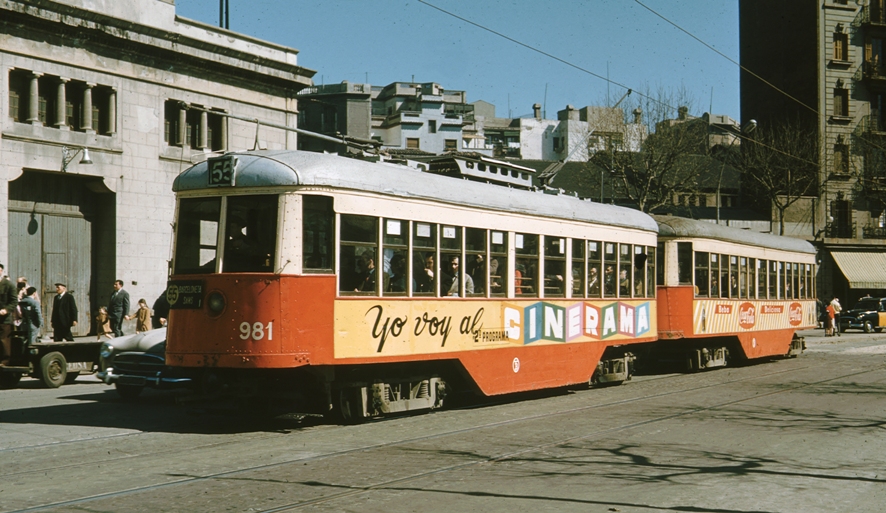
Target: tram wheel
349,406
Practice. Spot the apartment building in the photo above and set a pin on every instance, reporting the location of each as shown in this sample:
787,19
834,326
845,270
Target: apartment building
820,63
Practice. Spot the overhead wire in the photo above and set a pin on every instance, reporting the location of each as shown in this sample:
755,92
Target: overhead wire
606,79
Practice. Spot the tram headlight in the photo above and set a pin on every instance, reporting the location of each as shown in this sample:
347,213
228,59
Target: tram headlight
216,303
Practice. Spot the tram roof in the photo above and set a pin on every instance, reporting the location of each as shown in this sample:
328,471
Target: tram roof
671,226
266,168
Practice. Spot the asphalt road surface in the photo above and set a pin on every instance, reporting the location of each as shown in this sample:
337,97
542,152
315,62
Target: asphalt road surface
797,435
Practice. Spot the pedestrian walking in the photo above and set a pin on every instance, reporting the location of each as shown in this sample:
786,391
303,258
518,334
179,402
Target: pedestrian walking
142,317
8,304
118,308
64,314
32,317
837,309
103,324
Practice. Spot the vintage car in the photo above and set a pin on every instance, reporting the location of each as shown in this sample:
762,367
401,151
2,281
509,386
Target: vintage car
132,362
869,314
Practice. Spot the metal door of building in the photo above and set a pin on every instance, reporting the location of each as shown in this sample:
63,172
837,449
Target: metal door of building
50,249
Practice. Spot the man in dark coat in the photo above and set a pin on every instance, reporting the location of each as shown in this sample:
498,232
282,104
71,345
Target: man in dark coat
160,312
118,308
64,314
8,301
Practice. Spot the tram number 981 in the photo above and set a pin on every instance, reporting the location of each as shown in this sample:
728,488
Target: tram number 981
256,330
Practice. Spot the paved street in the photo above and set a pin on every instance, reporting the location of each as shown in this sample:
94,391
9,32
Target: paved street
799,435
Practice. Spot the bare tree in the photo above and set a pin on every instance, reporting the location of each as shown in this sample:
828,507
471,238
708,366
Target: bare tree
653,177
779,163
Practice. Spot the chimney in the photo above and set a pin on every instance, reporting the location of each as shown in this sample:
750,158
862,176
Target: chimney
536,110
683,113
638,115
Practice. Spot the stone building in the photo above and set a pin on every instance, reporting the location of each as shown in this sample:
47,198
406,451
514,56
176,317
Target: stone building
125,82
821,64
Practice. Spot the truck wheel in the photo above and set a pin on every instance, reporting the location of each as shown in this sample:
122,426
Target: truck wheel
128,391
53,369
867,327
9,380
71,378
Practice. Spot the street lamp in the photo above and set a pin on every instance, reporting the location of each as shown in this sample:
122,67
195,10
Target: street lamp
68,156
746,129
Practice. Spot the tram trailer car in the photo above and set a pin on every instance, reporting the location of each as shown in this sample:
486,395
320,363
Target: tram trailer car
328,281
725,292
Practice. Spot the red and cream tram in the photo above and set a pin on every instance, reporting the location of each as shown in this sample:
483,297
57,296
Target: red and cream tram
723,289
363,288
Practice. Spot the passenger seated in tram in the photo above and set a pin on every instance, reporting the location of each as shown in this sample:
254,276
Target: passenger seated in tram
477,272
495,285
423,281
624,286
397,279
609,281
367,276
451,278
715,287
593,283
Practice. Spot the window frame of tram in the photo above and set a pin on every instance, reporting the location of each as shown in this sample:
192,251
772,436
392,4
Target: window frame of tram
195,229
452,283
498,273
578,271
358,245
554,266
610,264
702,274
252,246
476,260
594,286
527,259
762,277
651,270
424,246
318,235
395,257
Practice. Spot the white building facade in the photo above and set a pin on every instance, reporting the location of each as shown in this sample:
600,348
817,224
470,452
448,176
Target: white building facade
128,81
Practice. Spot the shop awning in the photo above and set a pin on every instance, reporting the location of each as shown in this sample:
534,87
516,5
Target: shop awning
863,269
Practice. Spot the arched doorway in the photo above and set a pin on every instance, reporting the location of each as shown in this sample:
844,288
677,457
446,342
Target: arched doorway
57,225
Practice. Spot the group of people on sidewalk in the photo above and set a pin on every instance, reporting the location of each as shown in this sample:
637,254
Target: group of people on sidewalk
830,318
20,309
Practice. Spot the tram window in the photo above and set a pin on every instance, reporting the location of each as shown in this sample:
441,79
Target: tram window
394,264
475,256
555,266
660,264
424,251
610,263
684,263
743,277
357,255
762,290
796,288
251,236
595,275
498,264
639,271
625,259
724,276
733,277
651,262
752,278
578,269
702,273
318,225
451,267
526,268
782,279
715,275
197,235
773,280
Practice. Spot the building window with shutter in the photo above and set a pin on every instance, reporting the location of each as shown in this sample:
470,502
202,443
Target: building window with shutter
841,159
19,95
841,102
451,145
412,143
841,47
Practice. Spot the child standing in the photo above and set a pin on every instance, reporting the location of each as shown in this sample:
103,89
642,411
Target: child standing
142,317
103,324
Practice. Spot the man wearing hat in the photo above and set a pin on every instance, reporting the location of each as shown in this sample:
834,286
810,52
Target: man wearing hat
8,301
64,314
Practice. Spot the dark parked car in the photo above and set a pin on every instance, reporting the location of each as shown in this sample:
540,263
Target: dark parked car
869,314
134,362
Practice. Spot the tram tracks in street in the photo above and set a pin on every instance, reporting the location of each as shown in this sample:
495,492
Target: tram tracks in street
356,490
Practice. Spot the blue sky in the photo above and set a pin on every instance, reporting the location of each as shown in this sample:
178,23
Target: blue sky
384,41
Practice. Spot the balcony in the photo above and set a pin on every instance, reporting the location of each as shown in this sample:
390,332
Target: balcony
873,232
840,231
872,16
872,72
